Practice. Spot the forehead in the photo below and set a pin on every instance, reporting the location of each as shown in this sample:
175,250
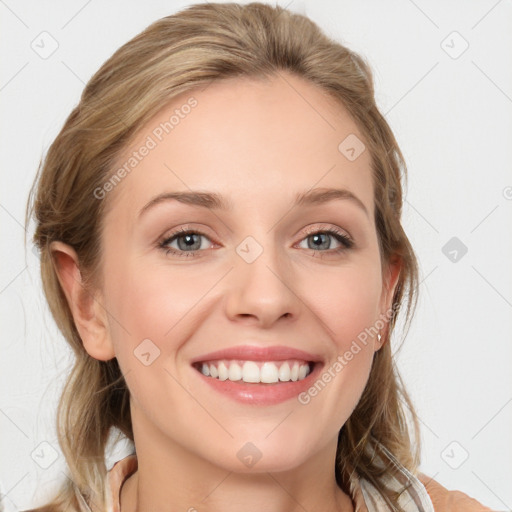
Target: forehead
253,140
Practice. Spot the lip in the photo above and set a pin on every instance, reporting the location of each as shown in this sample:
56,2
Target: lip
260,394
256,353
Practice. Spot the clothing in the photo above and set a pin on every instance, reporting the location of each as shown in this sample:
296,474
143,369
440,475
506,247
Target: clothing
422,495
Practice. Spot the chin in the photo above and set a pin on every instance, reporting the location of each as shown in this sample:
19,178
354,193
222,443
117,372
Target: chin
270,455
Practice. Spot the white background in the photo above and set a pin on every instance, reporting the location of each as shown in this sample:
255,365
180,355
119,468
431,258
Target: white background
453,120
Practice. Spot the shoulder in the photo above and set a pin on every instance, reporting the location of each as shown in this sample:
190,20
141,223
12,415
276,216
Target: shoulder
450,501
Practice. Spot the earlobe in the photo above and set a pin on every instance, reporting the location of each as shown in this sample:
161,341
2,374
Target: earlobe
88,313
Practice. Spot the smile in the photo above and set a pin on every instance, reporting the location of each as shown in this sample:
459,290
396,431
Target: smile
266,372
258,375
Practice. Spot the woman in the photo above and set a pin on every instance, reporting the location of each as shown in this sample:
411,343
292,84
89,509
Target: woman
220,236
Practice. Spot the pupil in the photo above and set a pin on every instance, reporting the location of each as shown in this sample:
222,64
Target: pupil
188,240
317,238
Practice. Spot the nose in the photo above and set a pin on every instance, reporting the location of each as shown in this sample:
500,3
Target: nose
262,292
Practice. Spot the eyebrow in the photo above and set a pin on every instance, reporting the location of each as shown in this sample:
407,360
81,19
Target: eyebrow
214,201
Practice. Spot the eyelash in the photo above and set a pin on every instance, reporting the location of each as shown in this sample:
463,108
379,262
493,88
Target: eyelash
345,241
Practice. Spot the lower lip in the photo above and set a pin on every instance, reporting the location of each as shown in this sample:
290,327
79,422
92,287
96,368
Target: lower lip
262,394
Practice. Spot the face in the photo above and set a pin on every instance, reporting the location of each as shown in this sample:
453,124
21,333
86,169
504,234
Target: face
268,280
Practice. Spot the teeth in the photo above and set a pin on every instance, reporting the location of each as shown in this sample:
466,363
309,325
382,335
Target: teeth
284,372
223,371
294,373
235,372
267,372
250,372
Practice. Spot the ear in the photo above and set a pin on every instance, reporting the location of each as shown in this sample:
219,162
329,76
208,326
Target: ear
390,276
89,315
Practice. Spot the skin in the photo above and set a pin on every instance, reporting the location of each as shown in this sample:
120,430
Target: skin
258,144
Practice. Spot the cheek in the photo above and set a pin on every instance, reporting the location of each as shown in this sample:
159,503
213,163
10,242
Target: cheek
346,303
150,302
349,307
152,312
345,300
144,303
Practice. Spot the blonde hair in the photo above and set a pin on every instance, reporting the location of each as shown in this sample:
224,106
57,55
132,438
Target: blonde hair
202,43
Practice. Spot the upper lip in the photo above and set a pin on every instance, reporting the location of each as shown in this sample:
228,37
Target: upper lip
258,353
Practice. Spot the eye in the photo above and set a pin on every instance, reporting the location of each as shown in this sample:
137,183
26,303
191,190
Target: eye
184,242
322,240
189,243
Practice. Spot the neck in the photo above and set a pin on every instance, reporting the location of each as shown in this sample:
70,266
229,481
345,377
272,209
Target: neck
175,478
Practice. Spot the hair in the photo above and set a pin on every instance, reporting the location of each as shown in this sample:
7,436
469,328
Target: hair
177,53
